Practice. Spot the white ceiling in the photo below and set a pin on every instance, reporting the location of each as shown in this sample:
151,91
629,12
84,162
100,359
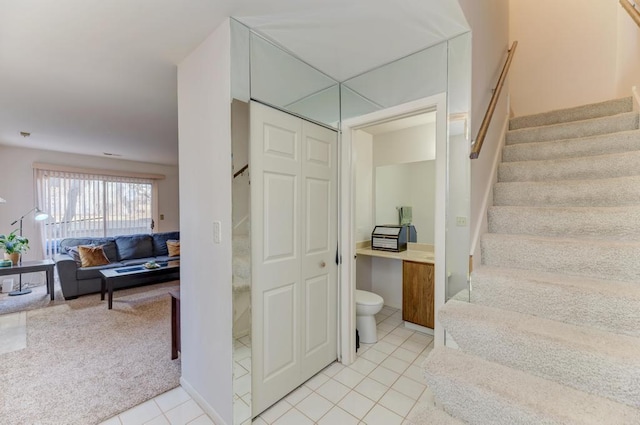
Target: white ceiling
95,76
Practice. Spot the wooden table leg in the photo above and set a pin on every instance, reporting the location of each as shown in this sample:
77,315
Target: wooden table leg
110,289
175,325
51,283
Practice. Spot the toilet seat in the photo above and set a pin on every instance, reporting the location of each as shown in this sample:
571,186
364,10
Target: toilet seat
368,298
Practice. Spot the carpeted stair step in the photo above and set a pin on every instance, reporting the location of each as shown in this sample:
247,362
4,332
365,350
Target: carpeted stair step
590,360
480,392
619,223
581,168
574,129
241,245
612,260
578,113
428,414
241,267
623,141
602,304
612,192
240,284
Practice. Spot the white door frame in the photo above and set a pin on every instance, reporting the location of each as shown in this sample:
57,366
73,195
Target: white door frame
347,283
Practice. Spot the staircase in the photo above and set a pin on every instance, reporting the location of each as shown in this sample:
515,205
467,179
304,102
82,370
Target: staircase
241,279
552,333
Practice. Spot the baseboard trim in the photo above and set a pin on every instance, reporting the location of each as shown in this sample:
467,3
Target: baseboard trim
217,419
636,98
418,328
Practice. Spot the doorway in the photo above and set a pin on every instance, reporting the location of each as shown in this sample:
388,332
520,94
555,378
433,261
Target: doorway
348,240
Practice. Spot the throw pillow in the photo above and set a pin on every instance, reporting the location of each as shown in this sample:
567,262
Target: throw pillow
91,256
174,248
75,254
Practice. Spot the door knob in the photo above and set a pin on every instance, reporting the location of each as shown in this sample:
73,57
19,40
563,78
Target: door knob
323,264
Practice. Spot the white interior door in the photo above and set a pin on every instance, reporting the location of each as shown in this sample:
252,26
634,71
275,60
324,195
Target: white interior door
293,240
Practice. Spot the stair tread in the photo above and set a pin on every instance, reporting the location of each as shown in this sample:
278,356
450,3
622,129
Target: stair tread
574,129
479,392
619,164
602,362
608,305
613,191
603,259
622,141
564,240
427,413
566,221
575,113
600,287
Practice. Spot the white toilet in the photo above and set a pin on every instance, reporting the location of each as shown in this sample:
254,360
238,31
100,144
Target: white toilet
368,305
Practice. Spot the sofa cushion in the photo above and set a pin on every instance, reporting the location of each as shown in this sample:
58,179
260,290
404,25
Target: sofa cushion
134,246
108,245
160,242
137,261
166,259
174,248
94,272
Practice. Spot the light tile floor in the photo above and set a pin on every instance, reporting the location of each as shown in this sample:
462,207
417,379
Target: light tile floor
381,387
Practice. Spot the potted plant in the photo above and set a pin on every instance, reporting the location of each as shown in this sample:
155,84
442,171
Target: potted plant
13,246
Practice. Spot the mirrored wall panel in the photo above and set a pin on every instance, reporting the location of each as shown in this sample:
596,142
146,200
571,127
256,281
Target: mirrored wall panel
413,77
280,79
458,167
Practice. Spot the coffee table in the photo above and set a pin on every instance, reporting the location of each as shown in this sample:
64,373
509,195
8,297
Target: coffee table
111,276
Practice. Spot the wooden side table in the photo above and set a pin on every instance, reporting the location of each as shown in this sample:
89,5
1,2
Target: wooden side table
46,266
175,323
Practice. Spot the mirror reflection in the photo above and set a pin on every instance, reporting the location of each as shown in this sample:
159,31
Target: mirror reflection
407,185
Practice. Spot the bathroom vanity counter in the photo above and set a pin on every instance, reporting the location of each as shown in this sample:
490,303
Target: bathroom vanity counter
414,273
416,252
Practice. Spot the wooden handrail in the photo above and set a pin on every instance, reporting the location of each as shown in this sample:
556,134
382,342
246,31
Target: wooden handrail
240,171
631,10
484,127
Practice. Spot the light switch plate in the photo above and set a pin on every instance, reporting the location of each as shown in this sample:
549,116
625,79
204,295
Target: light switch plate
461,221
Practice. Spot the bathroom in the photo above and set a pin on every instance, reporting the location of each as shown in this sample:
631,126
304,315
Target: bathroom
395,167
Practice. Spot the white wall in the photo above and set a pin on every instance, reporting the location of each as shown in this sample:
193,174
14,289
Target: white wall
489,22
363,160
567,53
18,188
386,280
204,116
408,145
628,61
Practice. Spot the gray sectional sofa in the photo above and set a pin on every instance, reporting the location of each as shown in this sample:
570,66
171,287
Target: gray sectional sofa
121,251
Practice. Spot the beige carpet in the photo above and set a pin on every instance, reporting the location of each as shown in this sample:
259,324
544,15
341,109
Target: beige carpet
84,364
550,335
38,298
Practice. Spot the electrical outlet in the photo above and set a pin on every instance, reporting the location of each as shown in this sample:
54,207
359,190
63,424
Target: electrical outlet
161,216
461,221
216,231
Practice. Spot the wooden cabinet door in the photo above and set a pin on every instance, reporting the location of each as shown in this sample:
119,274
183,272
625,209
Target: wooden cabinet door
417,293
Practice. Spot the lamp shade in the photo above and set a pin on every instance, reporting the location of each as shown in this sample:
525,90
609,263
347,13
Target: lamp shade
40,215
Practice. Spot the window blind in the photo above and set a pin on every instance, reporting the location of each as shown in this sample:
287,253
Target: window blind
83,205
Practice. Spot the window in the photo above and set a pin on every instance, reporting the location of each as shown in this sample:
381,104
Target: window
81,204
